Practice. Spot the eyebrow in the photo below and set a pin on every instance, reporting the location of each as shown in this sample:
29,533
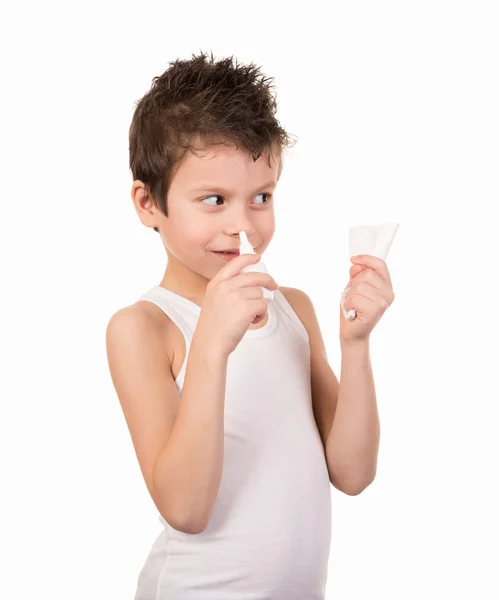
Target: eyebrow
210,187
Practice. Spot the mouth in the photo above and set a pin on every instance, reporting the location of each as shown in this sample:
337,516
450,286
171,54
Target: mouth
227,251
226,254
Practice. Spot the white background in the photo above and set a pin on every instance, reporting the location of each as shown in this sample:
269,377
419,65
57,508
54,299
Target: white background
395,106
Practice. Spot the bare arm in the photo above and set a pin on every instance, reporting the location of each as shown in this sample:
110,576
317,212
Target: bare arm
178,440
192,460
352,446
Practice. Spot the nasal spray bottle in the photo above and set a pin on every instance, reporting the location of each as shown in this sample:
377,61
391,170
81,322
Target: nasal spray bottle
246,248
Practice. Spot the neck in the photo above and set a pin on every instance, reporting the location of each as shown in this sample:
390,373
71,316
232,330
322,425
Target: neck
180,279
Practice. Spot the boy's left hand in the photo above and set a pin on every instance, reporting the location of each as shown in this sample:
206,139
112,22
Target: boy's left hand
369,292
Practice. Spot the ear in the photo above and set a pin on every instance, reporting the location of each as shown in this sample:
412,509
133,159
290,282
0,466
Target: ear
143,204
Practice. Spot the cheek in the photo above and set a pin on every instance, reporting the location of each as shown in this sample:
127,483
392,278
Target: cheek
189,231
265,235
266,225
192,239
269,234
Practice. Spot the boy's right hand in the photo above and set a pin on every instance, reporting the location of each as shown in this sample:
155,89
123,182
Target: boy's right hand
233,301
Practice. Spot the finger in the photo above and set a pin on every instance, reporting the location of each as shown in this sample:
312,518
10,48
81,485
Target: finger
261,308
365,290
371,277
355,270
358,303
374,263
378,286
234,266
255,278
252,293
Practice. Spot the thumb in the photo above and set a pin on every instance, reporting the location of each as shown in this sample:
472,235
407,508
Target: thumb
355,270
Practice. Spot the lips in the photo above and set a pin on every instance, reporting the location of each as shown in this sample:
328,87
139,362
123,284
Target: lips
226,255
227,251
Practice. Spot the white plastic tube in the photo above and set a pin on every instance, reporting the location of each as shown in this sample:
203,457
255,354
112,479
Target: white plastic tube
374,240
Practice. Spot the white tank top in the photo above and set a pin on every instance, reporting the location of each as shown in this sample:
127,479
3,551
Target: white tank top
269,533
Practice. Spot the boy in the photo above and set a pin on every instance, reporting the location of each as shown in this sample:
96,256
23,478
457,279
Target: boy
237,420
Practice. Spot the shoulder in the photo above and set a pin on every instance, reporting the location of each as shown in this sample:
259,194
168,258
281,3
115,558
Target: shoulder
138,324
303,306
299,301
295,296
141,315
129,324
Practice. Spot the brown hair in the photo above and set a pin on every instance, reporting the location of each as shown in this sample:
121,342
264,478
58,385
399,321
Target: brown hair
218,102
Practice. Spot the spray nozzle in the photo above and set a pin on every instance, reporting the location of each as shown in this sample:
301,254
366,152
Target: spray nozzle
245,245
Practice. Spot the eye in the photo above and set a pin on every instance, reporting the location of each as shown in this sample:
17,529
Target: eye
264,194
218,196
208,198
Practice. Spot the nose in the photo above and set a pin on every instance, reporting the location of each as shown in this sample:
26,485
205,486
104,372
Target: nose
246,227
249,233
239,220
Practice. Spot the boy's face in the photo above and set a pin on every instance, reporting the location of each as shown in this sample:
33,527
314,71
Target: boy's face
212,197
